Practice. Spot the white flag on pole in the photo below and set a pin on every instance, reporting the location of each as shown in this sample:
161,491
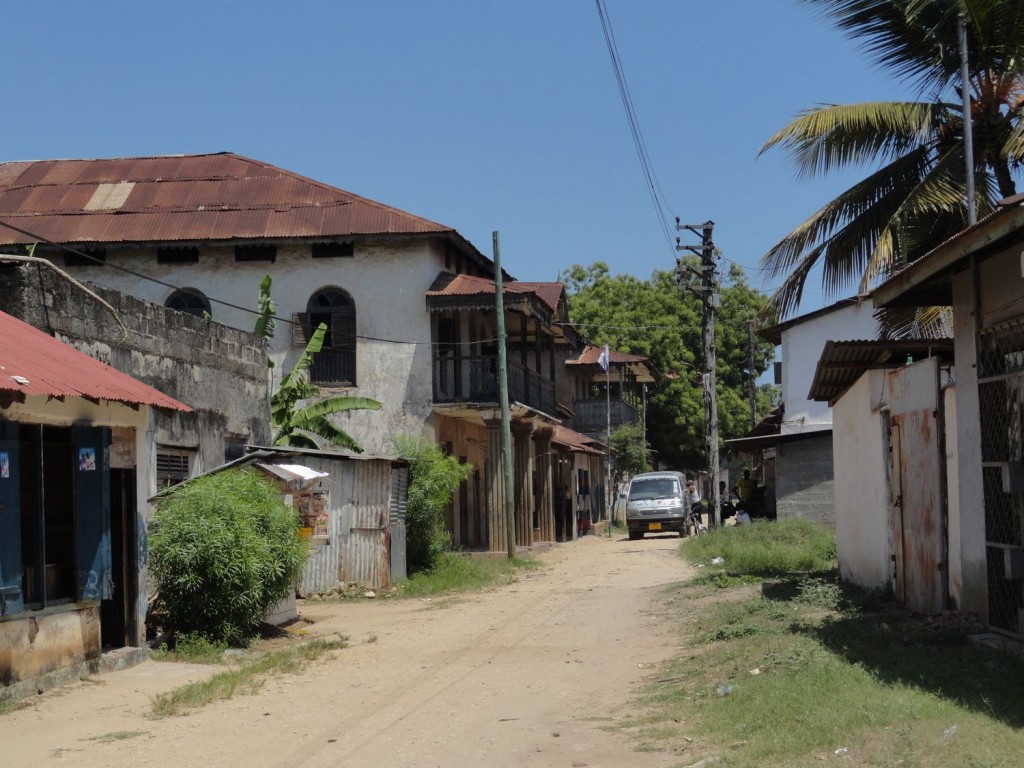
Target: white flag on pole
603,359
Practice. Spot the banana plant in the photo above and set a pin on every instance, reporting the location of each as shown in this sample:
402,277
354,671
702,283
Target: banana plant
300,427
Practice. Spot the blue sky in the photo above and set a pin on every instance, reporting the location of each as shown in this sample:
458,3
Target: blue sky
478,114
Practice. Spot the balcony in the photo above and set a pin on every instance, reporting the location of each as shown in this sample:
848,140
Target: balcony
592,415
474,379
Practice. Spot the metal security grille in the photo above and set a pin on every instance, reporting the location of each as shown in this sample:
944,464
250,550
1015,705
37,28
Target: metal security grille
1000,388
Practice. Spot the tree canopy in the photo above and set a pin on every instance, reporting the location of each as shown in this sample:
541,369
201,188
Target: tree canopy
655,319
914,194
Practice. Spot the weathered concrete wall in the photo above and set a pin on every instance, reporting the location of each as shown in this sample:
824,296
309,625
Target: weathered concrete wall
387,282
803,472
220,372
34,646
863,508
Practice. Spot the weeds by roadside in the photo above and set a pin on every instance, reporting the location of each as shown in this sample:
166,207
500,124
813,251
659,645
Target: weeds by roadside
460,573
786,666
245,678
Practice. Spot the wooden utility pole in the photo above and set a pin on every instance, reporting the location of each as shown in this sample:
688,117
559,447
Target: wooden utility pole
506,418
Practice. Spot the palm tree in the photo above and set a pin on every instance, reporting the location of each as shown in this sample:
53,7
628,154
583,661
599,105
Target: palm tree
299,427
914,197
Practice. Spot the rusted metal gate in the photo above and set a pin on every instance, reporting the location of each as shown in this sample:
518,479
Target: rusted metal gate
917,485
1000,390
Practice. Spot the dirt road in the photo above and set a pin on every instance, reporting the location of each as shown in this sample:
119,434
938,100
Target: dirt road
527,675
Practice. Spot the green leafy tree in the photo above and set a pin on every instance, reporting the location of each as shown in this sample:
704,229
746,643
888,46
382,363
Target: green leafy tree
300,426
433,479
630,451
223,549
913,196
655,319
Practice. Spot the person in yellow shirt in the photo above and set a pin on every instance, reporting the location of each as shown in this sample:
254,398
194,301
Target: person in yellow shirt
746,486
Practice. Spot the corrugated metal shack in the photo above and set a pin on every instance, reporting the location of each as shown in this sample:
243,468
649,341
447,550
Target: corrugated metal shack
352,511
353,515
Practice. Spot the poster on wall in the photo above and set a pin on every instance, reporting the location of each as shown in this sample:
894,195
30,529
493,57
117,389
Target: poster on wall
5,465
87,459
313,510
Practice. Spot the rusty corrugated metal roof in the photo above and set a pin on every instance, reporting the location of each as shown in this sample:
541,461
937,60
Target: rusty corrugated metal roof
640,366
33,363
842,363
220,196
448,284
575,441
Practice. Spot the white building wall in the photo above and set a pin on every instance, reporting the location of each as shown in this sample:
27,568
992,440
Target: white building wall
862,505
387,282
801,350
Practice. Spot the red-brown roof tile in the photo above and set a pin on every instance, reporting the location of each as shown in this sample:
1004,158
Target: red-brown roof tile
47,367
190,197
448,284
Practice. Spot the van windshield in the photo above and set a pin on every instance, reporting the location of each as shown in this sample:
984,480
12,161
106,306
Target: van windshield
655,488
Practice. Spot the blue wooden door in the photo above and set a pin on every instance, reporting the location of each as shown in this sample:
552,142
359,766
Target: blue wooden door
12,599
91,455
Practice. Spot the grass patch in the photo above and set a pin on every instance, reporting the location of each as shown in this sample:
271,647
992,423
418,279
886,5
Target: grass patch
789,671
191,648
764,548
246,678
461,573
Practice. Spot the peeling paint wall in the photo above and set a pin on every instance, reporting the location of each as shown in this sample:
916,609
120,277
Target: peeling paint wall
31,647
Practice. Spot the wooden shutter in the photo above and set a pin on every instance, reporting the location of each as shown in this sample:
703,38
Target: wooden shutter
343,330
300,329
92,513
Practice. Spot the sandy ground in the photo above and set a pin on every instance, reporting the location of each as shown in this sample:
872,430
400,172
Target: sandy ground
527,675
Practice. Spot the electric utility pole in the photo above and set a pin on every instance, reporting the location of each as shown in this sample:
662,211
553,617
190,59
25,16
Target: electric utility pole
707,292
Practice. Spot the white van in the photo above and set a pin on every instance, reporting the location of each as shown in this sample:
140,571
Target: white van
656,503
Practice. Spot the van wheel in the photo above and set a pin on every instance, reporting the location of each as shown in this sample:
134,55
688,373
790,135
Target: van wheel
634,535
683,533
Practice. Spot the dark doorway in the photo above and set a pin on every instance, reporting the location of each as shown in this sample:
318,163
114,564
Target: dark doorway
117,615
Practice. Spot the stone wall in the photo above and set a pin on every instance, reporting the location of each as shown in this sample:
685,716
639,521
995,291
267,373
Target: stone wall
220,372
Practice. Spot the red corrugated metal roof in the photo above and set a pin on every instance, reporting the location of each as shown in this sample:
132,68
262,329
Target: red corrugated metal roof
467,285
33,363
190,197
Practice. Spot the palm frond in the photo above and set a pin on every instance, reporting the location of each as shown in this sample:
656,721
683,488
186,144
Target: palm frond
835,136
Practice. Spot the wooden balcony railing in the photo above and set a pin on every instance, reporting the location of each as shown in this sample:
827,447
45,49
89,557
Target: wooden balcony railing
592,415
474,379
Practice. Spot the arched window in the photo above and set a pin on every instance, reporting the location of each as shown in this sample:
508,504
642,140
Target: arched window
189,300
336,363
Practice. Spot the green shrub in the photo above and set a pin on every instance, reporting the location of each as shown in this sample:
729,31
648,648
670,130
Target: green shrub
223,549
433,479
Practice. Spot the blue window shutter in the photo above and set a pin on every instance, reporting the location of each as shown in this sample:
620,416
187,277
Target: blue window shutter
92,513
12,599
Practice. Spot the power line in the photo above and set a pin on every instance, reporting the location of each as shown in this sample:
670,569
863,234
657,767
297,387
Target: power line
213,299
653,185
